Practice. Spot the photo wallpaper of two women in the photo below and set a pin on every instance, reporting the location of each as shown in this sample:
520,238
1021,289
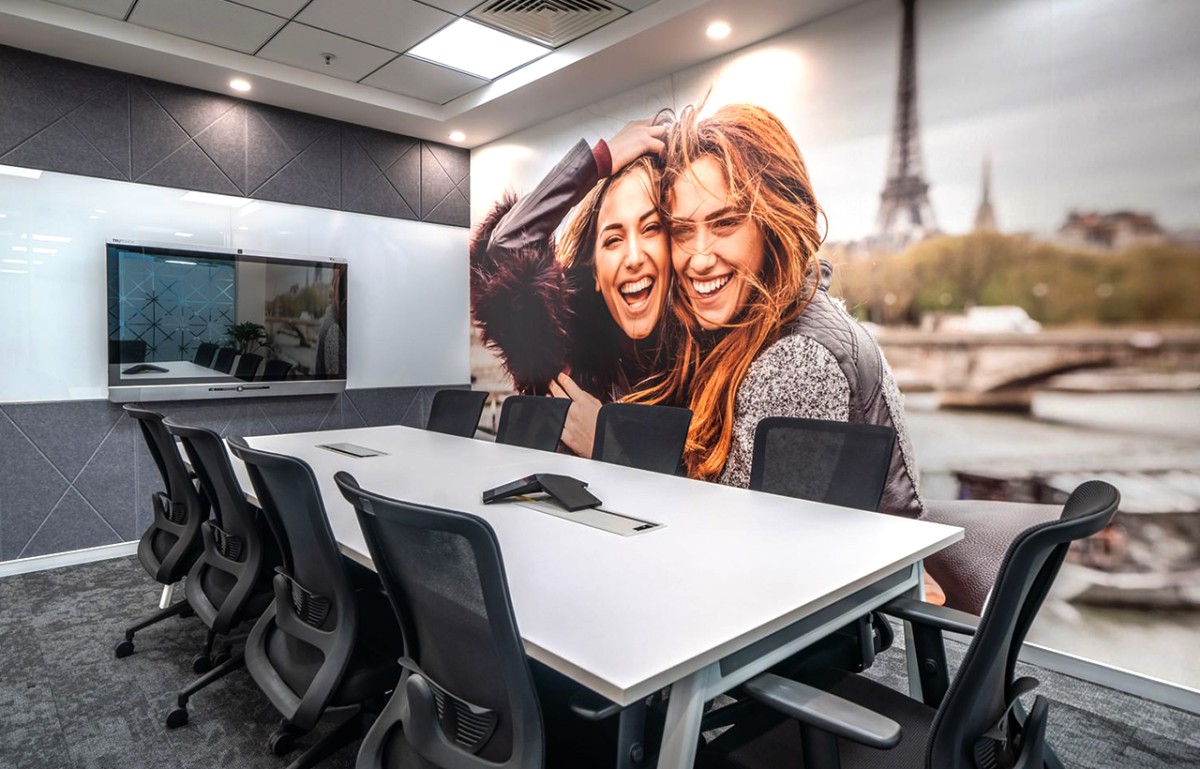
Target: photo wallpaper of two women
685,274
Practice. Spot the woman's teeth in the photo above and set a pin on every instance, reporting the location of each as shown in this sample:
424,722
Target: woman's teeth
707,287
636,290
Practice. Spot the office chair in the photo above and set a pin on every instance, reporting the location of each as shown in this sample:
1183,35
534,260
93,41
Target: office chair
230,584
224,360
323,642
839,463
456,412
466,697
276,370
126,351
247,366
171,543
204,354
641,436
532,421
849,720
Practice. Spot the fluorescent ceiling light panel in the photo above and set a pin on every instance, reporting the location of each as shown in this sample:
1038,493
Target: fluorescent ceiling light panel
216,200
24,173
52,238
180,261
477,50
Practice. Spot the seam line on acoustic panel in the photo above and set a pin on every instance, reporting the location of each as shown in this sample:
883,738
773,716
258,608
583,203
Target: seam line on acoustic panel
112,428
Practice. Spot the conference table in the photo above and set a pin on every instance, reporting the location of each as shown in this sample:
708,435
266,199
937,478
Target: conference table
710,586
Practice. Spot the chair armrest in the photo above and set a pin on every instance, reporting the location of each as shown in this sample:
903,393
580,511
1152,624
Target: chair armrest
588,705
825,711
932,615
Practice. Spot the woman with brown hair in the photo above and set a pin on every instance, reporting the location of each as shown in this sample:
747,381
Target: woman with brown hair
578,318
759,334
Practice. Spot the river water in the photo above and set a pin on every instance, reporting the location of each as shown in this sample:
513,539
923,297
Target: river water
1106,431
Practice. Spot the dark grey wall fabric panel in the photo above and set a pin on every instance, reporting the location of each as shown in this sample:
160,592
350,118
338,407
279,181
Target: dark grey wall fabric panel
77,119
76,474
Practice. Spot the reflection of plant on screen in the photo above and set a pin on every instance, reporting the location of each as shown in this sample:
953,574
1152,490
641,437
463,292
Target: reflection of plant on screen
246,337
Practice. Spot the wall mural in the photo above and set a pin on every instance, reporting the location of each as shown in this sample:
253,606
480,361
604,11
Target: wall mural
1004,195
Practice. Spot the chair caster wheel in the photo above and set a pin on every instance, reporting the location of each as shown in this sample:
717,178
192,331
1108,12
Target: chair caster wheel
221,657
123,649
177,718
282,742
201,664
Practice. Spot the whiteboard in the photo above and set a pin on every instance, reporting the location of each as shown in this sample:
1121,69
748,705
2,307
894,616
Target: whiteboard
408,302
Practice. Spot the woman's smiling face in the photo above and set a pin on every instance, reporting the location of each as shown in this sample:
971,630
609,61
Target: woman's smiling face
715,247
632,255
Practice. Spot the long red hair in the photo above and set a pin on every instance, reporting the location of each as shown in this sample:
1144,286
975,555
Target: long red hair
766,177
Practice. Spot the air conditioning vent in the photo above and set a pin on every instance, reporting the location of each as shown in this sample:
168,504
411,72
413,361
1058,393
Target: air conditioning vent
550,22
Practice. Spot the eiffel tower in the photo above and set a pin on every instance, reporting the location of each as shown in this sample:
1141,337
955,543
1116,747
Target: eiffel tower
904,211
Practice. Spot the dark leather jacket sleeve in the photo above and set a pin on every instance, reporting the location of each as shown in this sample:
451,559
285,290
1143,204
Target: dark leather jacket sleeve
535,217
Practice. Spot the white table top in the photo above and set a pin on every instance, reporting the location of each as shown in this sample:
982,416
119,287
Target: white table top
175,369
628,615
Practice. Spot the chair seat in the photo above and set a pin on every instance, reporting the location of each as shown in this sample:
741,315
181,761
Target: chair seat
757,744
373,667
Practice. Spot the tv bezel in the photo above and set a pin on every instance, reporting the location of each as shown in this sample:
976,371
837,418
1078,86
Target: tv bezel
147,392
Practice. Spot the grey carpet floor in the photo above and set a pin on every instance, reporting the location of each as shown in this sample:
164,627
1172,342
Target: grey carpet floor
65,701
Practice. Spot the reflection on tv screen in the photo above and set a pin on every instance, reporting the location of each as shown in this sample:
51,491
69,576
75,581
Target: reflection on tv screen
188,316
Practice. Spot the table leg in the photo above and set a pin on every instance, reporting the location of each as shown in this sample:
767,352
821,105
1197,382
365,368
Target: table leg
910,644
684,710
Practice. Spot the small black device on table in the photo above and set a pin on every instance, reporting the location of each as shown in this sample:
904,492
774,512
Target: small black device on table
569,492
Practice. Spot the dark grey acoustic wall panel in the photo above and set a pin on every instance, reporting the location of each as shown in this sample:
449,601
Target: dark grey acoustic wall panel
76,474
58,115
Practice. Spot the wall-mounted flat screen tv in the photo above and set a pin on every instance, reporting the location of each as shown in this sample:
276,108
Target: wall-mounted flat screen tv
188,323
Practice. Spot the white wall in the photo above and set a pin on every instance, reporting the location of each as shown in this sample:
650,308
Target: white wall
408,321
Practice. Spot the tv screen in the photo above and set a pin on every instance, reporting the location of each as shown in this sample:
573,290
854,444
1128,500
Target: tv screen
189,323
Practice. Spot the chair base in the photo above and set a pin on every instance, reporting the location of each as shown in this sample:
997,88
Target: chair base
179,716
354,728
181,609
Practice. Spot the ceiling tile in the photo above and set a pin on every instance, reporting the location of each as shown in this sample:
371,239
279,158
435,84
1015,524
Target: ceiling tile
302,46
457,7
393,24
634,5
287,8
210,21
115,9
423,80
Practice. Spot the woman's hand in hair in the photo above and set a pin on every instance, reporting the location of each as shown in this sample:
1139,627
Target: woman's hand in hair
579,433
641,137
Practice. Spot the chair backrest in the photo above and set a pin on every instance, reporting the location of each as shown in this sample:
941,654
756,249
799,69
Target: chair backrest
835,462
126,351
642,436
276,370
456,412
532,421
172,541
247,366
204,354
982,691
238,547
314,595
224,360
470,694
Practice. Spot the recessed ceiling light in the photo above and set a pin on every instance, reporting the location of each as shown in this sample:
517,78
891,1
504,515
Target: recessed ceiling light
457,136
238,84
718,30
184,234
477,50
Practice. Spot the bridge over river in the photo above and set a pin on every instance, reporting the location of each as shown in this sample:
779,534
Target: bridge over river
1002,370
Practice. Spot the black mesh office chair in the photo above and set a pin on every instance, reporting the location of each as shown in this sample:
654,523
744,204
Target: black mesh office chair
205,353
532,421
126,351
224,360
641,436
466,698
456,412
276,370
171,544
230,584
851,721
839,463
324,642
247,366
